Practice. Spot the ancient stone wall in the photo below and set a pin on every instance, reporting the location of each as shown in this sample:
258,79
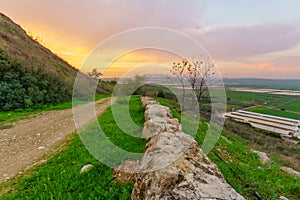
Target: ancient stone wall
172,166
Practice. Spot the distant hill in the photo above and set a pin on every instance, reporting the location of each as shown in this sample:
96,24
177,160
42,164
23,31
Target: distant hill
30,74
263,83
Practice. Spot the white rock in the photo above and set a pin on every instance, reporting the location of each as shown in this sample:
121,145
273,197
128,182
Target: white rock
86,168
38,134
172,166
283,198
263,157
290,171
225,138
152,127
158,111
41,148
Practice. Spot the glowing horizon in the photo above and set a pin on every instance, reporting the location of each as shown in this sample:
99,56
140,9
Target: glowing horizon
249,42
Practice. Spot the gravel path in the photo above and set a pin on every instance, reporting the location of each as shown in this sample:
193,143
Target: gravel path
30,139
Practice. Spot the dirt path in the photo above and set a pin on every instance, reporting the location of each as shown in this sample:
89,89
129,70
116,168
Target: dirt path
30,139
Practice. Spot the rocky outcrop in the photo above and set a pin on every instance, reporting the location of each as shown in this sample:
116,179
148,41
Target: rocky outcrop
290,171
263,157
172,166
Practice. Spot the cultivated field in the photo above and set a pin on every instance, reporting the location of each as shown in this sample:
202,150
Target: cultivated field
291,106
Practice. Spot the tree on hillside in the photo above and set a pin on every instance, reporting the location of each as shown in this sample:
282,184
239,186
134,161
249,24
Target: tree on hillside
94,74
135,85
197,73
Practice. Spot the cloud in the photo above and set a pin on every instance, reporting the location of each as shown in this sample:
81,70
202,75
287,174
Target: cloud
235,43
92,21
71,28
257,69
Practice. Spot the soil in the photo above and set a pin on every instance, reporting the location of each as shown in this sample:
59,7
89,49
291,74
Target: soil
32,139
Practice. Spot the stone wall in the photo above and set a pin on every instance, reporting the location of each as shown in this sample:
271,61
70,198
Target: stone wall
172,166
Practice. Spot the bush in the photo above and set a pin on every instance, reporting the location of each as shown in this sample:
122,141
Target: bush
161,94
23,87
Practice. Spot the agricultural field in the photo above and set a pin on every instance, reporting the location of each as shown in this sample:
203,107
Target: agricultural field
238,100
279,113
292,106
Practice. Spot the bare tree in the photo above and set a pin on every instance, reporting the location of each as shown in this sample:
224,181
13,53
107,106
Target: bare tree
178,70
197,73
94,74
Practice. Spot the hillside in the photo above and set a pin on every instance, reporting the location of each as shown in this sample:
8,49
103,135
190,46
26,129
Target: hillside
28,52
30,74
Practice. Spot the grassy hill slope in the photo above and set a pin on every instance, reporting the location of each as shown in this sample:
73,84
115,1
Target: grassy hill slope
28,52
30,74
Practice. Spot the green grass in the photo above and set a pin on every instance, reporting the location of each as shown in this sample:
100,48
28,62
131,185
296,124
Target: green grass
238,99
279,113
256,98
59,177
11,116
242,168
103,144
292,106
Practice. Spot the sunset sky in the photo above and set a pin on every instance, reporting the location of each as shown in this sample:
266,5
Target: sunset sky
247,38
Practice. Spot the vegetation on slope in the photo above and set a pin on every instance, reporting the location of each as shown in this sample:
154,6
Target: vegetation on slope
29,53
242,168
31,76
22,87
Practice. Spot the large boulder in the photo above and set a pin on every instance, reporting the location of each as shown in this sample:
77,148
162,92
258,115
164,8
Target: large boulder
263,157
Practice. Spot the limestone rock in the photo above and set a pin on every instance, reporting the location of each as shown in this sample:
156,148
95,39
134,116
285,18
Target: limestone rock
283,198
158,119
156,125
172,166
153,127
148,101
263,157
188,175
157,110
86,168
127,171
290,171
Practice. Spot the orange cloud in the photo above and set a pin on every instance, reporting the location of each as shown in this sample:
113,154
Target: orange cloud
131,61
264,65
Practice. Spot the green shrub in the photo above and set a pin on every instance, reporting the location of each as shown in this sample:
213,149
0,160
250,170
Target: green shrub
23,87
